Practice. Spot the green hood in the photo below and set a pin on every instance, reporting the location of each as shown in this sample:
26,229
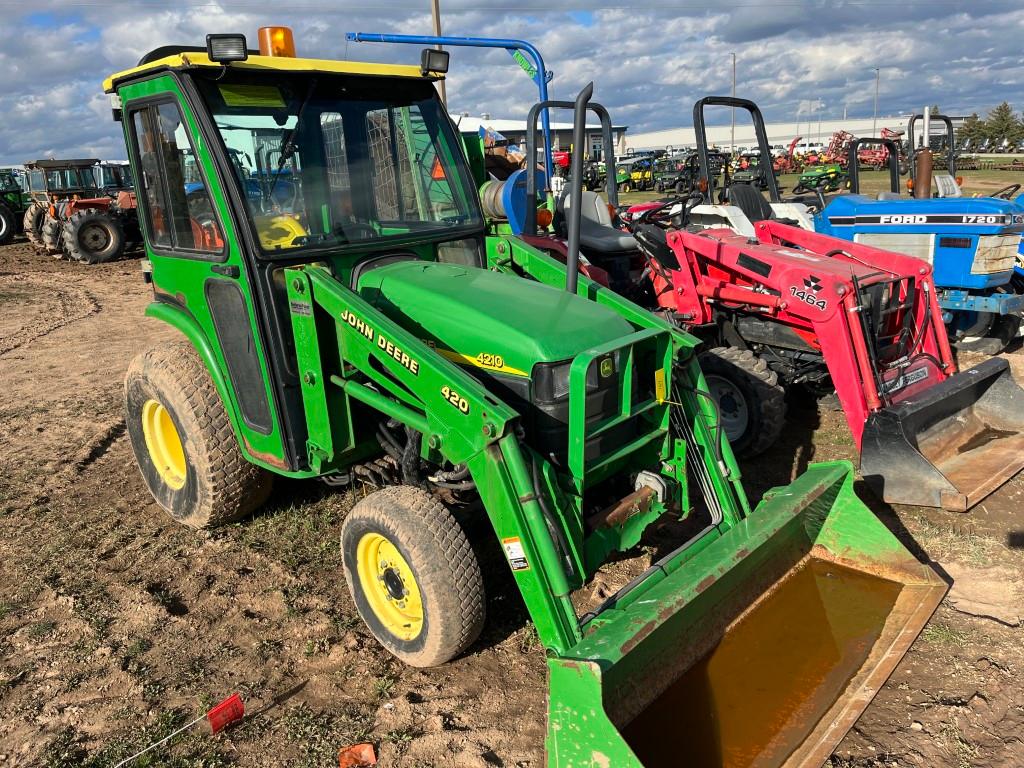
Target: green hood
488,319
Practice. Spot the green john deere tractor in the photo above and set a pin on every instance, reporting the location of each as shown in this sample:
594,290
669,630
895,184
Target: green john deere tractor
827,178
13,203
366,328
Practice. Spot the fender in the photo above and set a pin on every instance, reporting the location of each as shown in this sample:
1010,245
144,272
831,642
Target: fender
182,321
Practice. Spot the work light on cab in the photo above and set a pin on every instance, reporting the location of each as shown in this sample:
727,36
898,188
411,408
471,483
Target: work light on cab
226,48
433,60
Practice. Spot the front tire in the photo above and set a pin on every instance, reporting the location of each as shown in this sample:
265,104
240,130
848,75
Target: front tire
8,224
413,575
751,402
183,440
32,224
50,236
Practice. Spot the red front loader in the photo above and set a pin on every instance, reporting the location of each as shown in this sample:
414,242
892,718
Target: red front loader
814,307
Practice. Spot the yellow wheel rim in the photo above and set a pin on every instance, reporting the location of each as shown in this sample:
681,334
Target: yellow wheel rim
389,585
163,444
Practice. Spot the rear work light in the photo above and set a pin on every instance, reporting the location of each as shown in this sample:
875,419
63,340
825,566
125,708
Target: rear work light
226,48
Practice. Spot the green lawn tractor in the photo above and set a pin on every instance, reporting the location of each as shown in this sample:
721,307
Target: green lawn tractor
13,203
373,332
72,217
827,178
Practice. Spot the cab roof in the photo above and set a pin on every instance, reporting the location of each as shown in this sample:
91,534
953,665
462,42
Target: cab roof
196,59
49,164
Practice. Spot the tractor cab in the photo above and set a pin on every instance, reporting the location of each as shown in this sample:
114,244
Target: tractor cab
51,180
13,202
113,178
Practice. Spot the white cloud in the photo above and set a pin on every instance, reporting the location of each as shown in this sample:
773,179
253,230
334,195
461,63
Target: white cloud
649,65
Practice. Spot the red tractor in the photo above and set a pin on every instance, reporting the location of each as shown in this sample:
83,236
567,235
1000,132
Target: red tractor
788,163
791,306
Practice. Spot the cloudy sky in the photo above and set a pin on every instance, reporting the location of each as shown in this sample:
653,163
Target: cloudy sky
650,60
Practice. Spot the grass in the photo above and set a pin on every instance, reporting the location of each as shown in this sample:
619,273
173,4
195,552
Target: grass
944,542
941,635
41,629
318,735
301,536
191,749
952,739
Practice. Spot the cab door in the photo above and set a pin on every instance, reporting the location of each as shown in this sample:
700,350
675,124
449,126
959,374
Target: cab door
200,281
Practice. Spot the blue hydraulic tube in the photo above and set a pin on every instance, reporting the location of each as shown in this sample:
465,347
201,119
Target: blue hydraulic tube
537,71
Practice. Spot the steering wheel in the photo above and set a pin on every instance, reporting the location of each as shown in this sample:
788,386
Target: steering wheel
660,216
1007,192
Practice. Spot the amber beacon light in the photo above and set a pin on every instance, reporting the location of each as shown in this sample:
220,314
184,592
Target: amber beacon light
276,41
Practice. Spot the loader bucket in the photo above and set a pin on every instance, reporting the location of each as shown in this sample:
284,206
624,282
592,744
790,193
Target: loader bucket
950,445
760,648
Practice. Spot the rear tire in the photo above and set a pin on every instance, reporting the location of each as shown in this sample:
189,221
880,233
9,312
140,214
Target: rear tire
93,236
32,224
413,575
8,224
183,440
751,402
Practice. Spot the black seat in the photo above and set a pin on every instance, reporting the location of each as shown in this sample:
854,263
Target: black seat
654,241
749,199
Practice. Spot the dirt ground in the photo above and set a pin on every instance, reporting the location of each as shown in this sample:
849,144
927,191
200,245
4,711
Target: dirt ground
116,625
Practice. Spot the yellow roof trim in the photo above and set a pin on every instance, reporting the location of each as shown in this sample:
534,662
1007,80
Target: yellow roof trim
274,63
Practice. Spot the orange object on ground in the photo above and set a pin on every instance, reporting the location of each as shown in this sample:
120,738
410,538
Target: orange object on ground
357,756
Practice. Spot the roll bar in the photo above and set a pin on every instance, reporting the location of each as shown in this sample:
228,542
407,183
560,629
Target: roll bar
925,143
853,169
580,107
700,128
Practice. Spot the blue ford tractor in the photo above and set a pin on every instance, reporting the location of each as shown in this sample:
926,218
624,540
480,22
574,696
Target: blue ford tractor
972,243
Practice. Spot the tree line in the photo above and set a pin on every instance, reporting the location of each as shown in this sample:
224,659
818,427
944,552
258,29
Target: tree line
1001,126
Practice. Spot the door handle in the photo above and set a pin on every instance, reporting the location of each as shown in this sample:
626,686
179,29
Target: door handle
228,270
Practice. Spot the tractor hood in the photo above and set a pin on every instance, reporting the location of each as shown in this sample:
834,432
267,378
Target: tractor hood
982,215
499,322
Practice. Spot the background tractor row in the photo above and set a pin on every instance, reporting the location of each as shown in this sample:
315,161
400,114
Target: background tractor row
81,210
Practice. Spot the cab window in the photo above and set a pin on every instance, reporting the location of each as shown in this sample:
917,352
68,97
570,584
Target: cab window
177,208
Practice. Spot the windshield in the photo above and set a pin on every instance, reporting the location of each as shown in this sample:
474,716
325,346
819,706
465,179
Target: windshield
118,176
329,160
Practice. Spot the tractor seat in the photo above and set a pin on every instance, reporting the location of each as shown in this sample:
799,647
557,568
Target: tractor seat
654,241
749,199
597,234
